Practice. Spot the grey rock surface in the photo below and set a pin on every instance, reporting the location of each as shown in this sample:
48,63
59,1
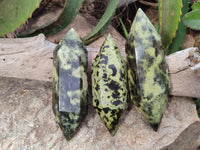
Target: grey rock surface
27,123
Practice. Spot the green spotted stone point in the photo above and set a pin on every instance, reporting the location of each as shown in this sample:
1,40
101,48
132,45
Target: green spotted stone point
70,83
148,78
109,85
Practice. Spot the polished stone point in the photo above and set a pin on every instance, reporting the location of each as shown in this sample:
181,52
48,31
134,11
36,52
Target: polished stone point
148,77
70,83
109,85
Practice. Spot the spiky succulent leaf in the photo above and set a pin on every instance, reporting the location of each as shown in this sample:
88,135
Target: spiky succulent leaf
180,33
69,12
103,24
14,13
169,17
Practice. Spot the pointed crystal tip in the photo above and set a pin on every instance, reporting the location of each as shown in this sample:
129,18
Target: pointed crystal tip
113,131
155,126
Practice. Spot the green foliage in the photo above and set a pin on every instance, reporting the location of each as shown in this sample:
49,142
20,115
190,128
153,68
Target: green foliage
169,17
124,28
196,6
103,24
14,13
10,21
192,19
180,33
70,11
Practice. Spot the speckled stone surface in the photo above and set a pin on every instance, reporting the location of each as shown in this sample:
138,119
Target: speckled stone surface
109,85
28,123
70,83
147,70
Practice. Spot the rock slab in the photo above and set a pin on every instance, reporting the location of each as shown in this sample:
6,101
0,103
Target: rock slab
27,123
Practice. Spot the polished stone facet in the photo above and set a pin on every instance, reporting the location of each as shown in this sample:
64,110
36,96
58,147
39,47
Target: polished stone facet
70,84
109,85
147,70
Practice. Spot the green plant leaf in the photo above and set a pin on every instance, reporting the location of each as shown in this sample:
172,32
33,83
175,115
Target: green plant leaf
14,13
124,28
169,17
180,33
192,19
103,24
70,11
196,6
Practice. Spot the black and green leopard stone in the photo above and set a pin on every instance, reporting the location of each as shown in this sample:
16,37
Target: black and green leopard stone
109,85
148,78
70,83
